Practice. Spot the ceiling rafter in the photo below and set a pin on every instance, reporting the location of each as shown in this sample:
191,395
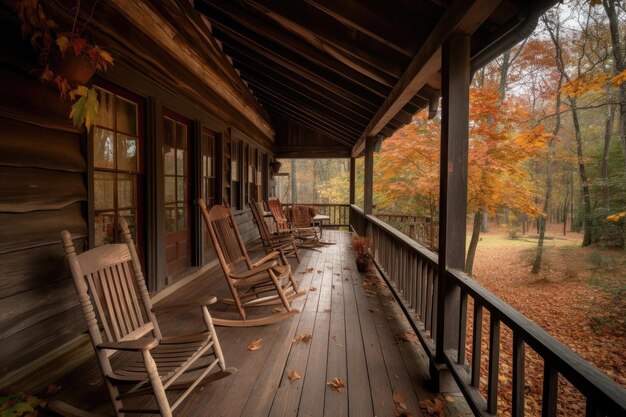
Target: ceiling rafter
295,45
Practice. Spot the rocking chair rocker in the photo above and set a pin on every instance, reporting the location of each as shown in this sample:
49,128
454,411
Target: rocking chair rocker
249,280
114,297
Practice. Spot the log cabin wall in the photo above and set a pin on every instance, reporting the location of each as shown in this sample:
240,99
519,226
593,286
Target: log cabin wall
46,185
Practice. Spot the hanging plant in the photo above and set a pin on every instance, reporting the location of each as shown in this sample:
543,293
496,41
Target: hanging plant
66,59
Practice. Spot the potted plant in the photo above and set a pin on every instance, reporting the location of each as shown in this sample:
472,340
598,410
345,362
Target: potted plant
66,59
361,246
275,165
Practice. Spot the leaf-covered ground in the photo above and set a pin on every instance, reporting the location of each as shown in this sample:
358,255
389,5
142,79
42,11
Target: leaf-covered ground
579,297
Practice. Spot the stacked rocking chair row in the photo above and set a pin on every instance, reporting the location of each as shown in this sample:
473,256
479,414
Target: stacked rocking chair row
121,318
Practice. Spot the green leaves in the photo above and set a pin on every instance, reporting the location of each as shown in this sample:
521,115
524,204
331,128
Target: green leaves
85,109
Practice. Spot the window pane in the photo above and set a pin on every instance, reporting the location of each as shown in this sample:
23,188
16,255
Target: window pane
106,110
182,222
127,153
170,160
126,191
205,164
129,216
126,116
170,189
170,218
104,190
180,189
103,148
104,228
180,162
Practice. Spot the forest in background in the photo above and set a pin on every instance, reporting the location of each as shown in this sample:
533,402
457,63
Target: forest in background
547,139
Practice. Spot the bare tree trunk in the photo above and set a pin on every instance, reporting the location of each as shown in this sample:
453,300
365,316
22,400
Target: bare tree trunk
619,58
608,132
565,206
584,182
471,251
546,202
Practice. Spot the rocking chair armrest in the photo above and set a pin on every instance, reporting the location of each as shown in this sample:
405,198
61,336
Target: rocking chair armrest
272,256
200,302
137,345
255,270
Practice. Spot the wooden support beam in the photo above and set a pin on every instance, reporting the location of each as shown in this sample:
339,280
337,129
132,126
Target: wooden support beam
352,180
226,13
254,77
461,16
252,51
453,187
325,37
368,21
368,189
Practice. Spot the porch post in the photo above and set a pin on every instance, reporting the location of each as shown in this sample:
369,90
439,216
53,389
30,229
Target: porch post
453,193
368,192
352,180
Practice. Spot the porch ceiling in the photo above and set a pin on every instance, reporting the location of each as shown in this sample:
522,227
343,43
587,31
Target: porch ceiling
339,71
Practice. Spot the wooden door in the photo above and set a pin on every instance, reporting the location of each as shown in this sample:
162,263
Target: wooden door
176,152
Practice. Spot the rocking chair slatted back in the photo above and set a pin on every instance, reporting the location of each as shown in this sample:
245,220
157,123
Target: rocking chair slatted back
110,283
300,217
258,211
225,235
279,217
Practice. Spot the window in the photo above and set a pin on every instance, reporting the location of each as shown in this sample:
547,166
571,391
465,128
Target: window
116,166
235,168
176,173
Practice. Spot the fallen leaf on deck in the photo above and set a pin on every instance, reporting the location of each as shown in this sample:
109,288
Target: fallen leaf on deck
293,375
373,310
256,345
312,289
400,338
391,318
277,310
347,268
449,399
399,400
305,337
334,338
401,412
94,383
432,408
336,384
319,272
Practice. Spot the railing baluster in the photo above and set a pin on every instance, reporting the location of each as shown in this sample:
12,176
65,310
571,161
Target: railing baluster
429,300
494,364
418,289
550,390
477,337
462,328
518,376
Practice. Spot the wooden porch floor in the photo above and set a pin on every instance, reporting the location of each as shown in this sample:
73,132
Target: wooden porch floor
358,335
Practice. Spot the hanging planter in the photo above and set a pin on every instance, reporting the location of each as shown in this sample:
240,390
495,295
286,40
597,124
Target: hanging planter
276,167
66,59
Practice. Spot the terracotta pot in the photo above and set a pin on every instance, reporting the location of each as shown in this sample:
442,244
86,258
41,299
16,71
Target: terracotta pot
276,167
362,264
76,69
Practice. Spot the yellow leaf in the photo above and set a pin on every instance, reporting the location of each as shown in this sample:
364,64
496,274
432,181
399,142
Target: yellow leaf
63,43
277,310
293,375
256,345
336,384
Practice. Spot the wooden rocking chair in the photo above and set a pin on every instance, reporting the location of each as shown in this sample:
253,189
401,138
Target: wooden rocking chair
280,241
302,223
108,279
283,225
247,280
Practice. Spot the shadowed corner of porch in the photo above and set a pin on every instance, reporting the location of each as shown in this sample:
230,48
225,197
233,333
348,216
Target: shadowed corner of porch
359,338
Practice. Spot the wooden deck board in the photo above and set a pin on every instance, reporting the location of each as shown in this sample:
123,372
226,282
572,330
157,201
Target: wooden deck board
348,341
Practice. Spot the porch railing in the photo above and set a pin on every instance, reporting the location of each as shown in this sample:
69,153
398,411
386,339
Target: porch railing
412,274
339,214
422,229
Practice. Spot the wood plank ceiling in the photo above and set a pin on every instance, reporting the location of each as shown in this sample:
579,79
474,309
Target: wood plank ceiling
349,69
